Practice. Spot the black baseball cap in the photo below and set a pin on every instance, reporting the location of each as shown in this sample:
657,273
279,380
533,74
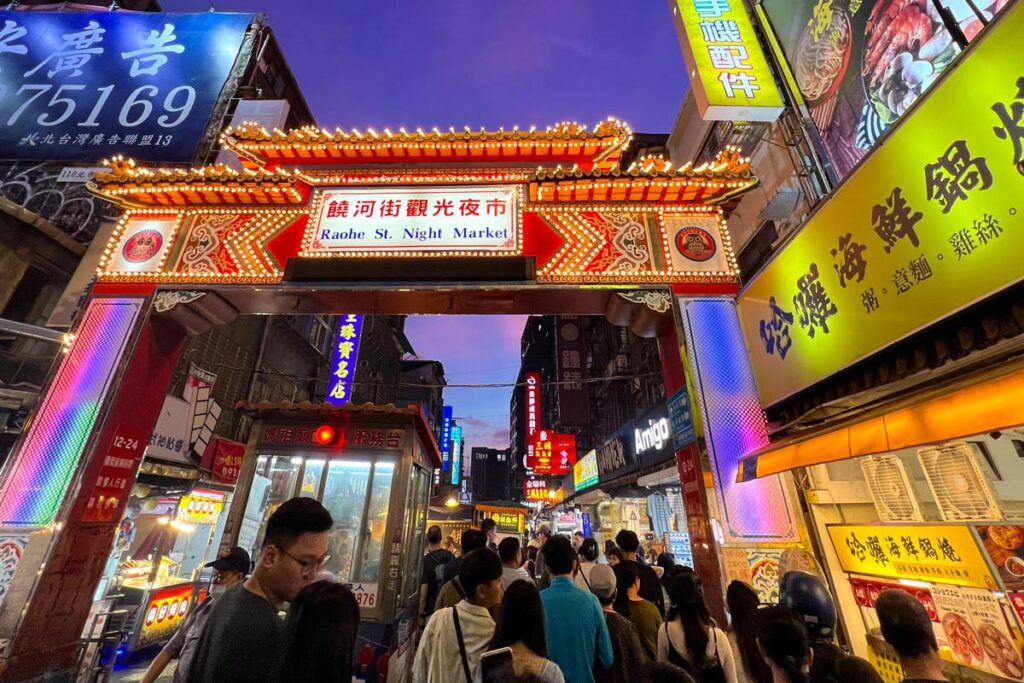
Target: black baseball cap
236,560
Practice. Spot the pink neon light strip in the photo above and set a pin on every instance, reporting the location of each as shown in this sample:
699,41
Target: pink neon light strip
40,471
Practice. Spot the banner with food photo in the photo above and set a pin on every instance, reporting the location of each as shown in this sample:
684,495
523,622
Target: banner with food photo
1004,545
860,64
974,628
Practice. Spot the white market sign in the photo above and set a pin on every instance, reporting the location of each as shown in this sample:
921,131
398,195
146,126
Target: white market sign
470,220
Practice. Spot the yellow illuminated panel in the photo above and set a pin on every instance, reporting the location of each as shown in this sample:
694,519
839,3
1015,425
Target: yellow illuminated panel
932,553
729,73
931,222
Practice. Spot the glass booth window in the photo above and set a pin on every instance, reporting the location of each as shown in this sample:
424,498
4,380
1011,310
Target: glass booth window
311,478
372,548
415,530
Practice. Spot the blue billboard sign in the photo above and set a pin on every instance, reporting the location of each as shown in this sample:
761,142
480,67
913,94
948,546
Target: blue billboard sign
343,359
683,433
91,85
456,450
446,438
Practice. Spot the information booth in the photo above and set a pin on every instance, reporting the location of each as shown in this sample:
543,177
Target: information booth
371,467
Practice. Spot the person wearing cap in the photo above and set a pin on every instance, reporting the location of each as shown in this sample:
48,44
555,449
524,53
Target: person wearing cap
627,650
228,571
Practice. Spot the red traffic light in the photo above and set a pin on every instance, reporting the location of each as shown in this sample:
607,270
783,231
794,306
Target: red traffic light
324,434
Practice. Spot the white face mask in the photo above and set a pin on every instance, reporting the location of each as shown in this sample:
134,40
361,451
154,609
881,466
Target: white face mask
217,589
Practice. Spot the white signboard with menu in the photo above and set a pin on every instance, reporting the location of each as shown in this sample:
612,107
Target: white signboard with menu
422,220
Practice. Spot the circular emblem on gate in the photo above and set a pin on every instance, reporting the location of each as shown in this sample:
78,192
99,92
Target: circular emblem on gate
696,244
142,246
570,332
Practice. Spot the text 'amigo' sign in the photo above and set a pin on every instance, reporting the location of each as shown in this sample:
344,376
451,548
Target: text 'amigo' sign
416,219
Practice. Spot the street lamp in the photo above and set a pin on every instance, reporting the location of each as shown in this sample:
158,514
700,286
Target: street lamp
451,502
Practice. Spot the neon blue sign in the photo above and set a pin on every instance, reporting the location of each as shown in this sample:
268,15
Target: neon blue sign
446,439
343,360
456,449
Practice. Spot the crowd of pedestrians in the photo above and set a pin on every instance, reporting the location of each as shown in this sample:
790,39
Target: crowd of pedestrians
554,611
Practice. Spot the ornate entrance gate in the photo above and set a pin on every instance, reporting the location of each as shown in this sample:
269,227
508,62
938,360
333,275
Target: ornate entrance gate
564,220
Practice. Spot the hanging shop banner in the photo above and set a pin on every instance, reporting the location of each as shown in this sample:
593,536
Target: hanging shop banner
456,450
681,416
564,451
573,402
531,398
509,522
344,358
652,436
584,472
929,224
733,81
535,490
446,438
444,221
223,457
860,64
169,439
116,476
616,456
938,553
202,506
545,457
1004,545
90,85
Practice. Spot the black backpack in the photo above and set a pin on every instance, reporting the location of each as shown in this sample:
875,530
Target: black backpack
708,671
435,580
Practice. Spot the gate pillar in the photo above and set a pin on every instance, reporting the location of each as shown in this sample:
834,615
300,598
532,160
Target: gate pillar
66,485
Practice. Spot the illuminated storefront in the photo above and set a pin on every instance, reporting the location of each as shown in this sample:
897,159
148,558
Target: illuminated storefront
879,337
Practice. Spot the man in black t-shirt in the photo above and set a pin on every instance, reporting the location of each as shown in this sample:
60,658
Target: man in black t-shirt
430,584
243,641
650,586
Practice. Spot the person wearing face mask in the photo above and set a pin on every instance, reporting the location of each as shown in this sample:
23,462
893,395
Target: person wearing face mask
228,571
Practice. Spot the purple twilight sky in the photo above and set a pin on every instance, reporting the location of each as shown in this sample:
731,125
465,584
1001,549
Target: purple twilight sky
425,63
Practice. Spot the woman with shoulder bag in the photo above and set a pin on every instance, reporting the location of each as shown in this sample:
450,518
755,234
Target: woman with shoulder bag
689,638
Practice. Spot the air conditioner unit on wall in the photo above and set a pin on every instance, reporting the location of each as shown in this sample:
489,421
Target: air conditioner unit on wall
961,488
891,489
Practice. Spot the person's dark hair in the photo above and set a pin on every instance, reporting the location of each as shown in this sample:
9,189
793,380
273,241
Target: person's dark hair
487,524
672,572
531,553
434,534
666,561
294,517
614,552
689,609
785,641
578,533
478,566
628,541
905,624
743,602
663,672
559,555
472,539
322,624
626,574
521,618
588,550
609,544
508,548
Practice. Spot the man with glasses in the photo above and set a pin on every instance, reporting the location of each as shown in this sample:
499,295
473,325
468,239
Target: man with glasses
244,637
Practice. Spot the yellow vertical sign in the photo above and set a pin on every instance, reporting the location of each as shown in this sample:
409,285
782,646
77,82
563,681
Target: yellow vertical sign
729,73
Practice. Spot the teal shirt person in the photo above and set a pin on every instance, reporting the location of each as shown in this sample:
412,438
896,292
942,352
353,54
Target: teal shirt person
575,628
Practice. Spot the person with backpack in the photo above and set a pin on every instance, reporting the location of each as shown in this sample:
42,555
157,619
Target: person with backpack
810,598
448,575
689,638
457,636
430,584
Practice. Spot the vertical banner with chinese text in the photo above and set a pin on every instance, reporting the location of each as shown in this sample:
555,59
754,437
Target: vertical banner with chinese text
343,359
573,403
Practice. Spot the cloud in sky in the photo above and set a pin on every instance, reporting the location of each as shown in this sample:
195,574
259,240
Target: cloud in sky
475,349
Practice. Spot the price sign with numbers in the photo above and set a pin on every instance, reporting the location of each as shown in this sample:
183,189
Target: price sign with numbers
89,85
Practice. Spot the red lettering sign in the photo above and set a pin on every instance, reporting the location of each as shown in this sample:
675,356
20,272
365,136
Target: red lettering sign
223,458
116,476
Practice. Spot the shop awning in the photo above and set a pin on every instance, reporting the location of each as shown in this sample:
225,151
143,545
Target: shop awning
982,402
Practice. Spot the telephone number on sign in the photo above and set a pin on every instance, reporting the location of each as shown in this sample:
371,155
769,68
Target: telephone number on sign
172,108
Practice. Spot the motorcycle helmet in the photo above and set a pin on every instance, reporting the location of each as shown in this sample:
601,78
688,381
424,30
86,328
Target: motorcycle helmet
809,596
